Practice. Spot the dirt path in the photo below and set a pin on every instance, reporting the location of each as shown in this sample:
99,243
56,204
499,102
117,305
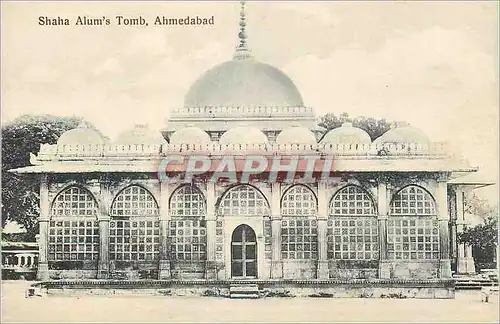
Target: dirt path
467,307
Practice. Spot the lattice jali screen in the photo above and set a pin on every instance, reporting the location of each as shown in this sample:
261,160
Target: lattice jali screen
243,200
267,237
134,233
219,240
412,237
413,228
299,200
187,201
350,201
73,227
134,201
299,238
134,240
353,238
187,228
188,240
413,200
73,240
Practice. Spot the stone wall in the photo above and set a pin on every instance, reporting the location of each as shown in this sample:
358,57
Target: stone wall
351,269
413,269
299,269
432,289
188,269
72,274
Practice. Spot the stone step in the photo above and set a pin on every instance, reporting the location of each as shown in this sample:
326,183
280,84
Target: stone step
474,284
245,296
242,288
244,291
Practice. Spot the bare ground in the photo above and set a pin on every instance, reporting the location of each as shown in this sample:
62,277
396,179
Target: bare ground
466,307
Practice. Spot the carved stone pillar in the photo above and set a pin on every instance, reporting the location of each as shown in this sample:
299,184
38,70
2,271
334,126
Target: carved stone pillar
211,264
103,265
103,219
384,266
276,261
164,263
465,261
444,229
43,221
322,270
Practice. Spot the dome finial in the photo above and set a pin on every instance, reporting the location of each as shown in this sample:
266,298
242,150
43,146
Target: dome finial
242,51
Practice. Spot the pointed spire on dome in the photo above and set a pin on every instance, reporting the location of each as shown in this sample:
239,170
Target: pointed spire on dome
242,51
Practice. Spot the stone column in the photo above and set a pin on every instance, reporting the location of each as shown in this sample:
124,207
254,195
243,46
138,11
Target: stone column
465,261
164,263
43,221
103,219
103,265
211,264
384,266
444,229
276,261
322,270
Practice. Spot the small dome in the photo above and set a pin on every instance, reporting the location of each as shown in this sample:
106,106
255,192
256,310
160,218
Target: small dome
346,134
243,135
140,134
190,135
296,135
82,135
403,134
245,83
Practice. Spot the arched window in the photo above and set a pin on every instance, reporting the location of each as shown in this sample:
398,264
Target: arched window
299,236
243,200
134,233
187,201
73,227
299,200
352,226
187,239
413,229
351,201
413,200
134,201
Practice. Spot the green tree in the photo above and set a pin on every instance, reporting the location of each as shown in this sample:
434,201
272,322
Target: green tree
374,127
23,135
483,237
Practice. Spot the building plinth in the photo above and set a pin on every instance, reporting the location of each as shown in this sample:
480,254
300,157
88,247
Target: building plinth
323,272
164,270
444,268
276,269
42,271
211,270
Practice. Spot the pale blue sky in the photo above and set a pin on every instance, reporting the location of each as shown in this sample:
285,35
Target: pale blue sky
434,64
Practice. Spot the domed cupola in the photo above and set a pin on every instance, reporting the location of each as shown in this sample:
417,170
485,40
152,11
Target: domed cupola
403,134
243,135
296,134
346,134
190,135
243,82
140,134
82,135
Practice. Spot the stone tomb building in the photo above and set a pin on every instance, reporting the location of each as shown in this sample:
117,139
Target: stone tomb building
390,214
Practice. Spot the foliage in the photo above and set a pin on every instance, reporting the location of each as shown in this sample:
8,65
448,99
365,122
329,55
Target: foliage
374,127
483,237
20,194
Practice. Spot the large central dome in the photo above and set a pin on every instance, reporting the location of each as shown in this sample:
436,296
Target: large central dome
243,83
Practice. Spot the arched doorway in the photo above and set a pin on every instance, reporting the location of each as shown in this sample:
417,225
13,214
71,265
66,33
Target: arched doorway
243,253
